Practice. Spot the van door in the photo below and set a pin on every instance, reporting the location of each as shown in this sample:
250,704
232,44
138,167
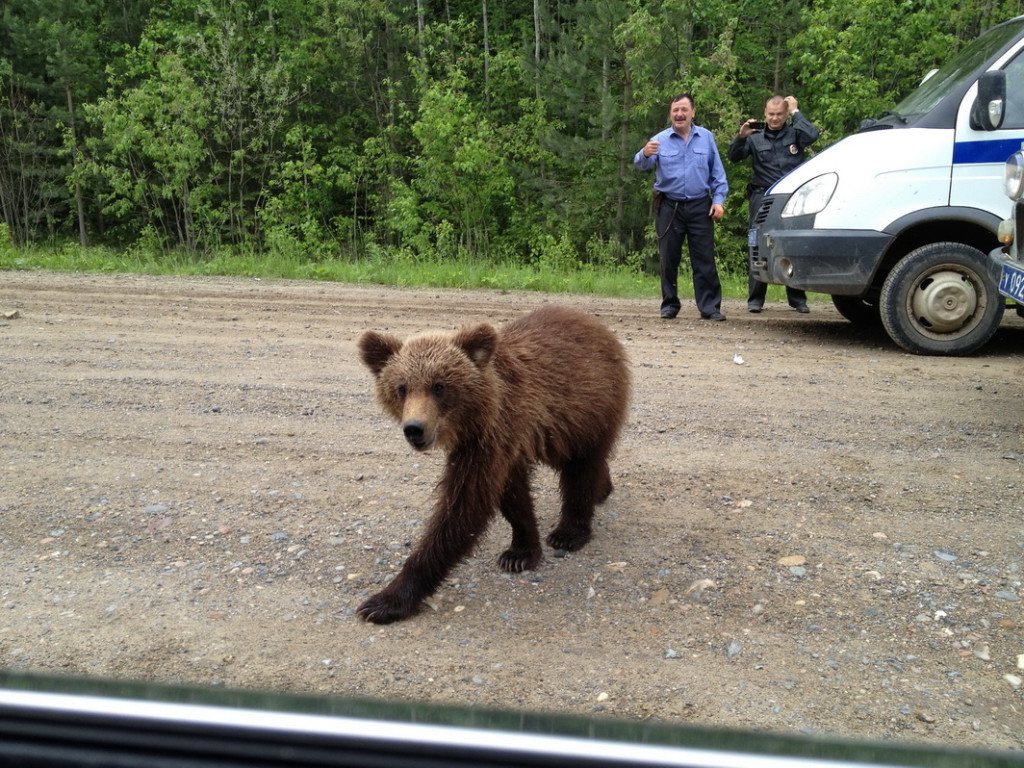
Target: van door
979,156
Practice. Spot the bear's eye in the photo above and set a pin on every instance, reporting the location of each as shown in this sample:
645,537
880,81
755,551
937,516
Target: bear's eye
438,389
402,391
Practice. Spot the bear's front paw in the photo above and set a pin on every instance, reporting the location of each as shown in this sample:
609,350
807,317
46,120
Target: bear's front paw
383,608
514,560
568,539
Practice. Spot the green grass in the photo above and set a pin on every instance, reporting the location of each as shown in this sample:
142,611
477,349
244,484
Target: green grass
400,270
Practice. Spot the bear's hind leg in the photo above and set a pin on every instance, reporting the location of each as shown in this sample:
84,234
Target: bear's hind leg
516,506
584,482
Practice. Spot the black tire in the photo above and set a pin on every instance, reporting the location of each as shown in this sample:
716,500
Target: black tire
858,311
941,300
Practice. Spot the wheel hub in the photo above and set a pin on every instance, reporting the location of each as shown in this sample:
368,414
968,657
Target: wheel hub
944,301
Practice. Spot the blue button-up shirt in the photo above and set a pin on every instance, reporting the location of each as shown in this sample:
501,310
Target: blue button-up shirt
686,169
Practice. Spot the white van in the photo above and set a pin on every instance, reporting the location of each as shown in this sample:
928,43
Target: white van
896,221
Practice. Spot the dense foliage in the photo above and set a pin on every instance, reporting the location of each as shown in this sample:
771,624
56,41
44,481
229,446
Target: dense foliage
417,128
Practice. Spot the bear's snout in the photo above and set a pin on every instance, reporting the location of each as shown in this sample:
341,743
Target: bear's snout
415,433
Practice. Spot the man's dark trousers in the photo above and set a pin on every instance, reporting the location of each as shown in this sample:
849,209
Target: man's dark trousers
756,290
688,220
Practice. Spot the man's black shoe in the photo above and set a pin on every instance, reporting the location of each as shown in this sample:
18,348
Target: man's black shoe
803,309
713,316
668,315
755,308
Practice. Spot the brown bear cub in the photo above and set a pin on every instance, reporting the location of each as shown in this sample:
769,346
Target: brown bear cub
551,387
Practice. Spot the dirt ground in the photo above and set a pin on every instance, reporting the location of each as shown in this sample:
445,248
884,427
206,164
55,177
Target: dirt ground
812,531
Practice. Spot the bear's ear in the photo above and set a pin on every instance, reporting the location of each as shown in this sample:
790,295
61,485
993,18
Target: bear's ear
376,349
478,342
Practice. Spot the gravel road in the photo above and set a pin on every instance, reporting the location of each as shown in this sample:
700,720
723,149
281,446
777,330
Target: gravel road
812,531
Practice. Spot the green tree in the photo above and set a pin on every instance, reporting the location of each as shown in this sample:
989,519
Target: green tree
857,59
193,130
459,183
462,127
54,61
152,151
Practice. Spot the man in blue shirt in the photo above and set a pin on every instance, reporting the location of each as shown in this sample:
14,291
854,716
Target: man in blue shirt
690,189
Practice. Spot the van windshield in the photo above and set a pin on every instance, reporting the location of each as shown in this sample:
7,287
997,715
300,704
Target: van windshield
932,90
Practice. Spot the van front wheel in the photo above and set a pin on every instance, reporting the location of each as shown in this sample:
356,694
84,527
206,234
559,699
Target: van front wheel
941,300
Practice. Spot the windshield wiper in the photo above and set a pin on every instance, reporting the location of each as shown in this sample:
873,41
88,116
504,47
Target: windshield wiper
897,115
872,124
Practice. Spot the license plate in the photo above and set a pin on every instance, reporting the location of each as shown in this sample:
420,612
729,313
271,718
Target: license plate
752,238
1012,282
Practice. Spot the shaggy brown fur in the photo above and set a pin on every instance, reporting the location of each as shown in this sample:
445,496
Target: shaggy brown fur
550,387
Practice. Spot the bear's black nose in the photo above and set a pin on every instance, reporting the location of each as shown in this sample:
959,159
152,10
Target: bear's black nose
413,431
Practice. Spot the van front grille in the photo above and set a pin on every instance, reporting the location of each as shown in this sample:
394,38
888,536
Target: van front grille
762,213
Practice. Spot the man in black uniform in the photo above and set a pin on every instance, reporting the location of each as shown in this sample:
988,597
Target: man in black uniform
774,150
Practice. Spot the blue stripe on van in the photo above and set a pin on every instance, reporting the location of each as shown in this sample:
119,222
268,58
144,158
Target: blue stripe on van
990,151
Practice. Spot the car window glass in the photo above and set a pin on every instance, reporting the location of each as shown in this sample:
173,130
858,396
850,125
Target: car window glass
1014,93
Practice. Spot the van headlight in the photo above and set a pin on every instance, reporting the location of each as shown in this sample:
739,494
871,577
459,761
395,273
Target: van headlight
1013,176
812,197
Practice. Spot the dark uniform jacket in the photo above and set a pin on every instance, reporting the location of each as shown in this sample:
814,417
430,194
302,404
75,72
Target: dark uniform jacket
774,153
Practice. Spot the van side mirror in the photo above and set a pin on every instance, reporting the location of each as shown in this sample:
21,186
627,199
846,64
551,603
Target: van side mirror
990,104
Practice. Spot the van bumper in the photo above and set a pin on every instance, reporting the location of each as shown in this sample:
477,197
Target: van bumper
791,252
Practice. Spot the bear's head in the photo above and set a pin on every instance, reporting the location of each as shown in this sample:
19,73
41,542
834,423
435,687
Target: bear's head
442,388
